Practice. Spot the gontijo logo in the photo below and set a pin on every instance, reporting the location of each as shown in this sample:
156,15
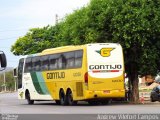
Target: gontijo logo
105,52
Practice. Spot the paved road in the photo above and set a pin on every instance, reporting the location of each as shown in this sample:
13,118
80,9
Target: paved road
9,104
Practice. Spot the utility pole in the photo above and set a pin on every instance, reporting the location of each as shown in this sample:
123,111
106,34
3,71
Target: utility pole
4,81
56,19
15,83
15,78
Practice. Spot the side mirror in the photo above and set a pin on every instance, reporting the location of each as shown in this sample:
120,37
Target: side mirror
15,72
3,60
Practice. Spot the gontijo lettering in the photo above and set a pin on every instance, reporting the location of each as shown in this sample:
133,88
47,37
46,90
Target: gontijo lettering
55,75
105,67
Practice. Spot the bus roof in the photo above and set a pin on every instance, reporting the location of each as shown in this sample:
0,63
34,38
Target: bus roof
62,49
65,49
71,47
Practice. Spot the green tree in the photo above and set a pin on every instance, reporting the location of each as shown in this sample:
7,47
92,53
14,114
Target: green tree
36,40
1,81
136,25
73,28
10,81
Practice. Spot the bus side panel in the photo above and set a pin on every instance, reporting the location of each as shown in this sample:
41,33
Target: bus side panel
67,79
33,82
73,80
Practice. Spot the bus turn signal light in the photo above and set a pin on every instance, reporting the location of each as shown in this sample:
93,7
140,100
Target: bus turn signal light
86,78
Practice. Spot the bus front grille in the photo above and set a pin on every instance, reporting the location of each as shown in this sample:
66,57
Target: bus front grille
79,88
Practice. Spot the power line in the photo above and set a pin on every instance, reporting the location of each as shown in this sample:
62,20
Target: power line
9,38
4,47
13,61
14,30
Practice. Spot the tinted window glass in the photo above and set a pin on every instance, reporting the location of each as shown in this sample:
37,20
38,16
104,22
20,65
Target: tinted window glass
69,59
78,58
20,71
60,62
65,60
45,62
36,63
53,61
28,65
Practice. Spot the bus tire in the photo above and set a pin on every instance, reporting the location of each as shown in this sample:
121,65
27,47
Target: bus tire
62,97
30,102
57,102
93,102
70,100
104,102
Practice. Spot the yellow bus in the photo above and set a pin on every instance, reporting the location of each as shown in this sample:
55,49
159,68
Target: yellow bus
91,72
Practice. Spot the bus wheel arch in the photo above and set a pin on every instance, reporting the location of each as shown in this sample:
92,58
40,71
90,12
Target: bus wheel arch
62,97
69,97
27,96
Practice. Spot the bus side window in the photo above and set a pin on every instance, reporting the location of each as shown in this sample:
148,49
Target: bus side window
28,65
63,61
78,58
45,62
60,62
53,62
70,59
36,63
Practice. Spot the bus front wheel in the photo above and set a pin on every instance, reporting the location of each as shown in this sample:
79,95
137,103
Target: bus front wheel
30,102
57,102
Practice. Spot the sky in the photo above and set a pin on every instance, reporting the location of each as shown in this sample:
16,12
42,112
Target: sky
18,16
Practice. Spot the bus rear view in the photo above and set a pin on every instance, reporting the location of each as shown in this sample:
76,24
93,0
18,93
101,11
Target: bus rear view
105,76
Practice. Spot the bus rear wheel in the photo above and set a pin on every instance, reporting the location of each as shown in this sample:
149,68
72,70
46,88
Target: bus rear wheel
62,98
57,102
30,102
70,98
93,102
104,102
